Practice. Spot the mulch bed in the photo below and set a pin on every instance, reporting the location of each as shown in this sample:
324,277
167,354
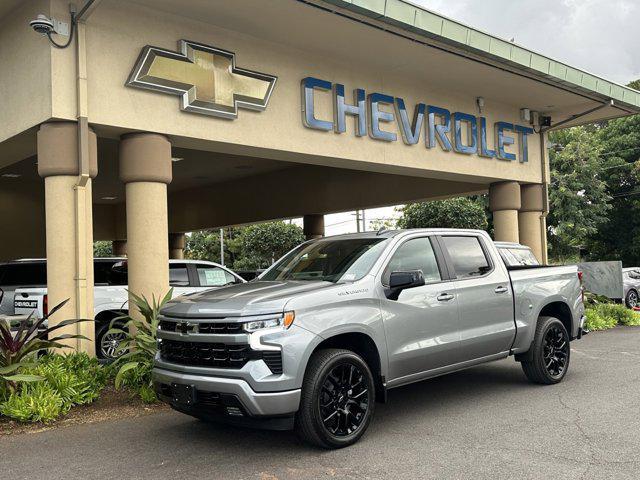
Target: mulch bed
112,405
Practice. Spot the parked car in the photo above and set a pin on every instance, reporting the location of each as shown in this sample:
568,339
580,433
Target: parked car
111,296
326,331
631,283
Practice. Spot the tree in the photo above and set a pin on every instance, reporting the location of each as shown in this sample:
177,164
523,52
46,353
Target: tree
578,198
205,245
261,244
245,248
619,238
103,248
459,212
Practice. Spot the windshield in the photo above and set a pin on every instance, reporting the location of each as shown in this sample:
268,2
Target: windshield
328,260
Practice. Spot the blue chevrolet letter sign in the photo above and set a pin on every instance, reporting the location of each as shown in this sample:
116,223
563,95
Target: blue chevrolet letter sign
458,131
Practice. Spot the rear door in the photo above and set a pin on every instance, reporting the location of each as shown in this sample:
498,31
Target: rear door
484,296
422,325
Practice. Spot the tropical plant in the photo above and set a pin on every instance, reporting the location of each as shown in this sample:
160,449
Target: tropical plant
140,345
18,350
67,380
38,402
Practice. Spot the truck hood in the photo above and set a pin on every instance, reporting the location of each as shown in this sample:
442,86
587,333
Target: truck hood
253,298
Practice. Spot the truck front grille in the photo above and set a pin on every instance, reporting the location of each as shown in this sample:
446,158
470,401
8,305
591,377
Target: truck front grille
217,355
205,327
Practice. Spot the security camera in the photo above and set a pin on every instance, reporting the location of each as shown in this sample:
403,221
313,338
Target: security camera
42,25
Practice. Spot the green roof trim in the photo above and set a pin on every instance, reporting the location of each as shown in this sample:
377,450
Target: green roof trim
430,24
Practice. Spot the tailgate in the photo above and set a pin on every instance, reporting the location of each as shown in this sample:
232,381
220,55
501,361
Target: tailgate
27,302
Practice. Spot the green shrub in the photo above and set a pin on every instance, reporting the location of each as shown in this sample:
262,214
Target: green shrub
36,402
601,316
596,321
622,314
66,381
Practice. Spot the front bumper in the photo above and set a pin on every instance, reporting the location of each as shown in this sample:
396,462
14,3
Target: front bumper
232,398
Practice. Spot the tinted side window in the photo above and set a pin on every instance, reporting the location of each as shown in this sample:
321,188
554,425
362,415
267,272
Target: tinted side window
467,256
214,277
178,276
25,274
414,254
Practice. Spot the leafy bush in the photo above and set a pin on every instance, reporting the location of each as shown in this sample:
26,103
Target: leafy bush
141,343
601,316
66,381
36,402
596,321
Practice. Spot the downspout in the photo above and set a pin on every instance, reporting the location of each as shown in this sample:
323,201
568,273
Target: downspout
84,174
544,156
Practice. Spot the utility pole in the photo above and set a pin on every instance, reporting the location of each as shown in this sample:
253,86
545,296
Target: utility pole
364,222
358,220
222,247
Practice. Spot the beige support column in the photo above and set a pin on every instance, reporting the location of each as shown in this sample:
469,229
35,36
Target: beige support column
176,246
531,221
69,229
504,202
145,168
119,248
313,226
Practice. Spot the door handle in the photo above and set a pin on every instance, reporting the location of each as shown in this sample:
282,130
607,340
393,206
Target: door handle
444,297
501,289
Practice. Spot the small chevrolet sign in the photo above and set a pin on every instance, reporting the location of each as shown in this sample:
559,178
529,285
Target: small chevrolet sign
205,77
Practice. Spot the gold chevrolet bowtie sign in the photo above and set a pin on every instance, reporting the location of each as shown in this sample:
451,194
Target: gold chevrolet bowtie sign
205,77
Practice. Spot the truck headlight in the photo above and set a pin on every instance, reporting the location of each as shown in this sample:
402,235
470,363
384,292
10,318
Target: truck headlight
284,321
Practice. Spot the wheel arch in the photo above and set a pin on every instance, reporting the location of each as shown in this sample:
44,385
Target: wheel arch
363,345
561,311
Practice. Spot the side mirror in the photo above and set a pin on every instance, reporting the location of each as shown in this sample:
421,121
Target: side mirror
399,281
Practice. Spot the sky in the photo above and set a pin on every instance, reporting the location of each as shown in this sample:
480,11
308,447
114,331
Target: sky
599,36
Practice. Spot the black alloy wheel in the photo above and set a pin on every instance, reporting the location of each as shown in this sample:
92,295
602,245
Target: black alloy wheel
337,399
555,351
343,400
547,360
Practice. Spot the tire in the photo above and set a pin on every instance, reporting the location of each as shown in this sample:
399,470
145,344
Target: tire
334,411
631,300
548,361
102,344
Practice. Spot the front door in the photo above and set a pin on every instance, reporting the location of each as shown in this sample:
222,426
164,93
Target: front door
421,326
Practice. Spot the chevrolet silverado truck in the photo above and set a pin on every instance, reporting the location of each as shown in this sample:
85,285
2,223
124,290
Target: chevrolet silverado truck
324,333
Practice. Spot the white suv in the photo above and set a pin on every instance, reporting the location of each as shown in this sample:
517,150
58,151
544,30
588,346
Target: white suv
111,297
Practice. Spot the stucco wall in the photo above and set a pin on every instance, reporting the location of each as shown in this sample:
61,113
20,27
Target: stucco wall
118,30
25,71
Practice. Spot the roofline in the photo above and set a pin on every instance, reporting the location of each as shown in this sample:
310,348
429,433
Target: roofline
417,20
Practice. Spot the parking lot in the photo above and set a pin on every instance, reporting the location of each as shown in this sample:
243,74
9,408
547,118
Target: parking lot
486,422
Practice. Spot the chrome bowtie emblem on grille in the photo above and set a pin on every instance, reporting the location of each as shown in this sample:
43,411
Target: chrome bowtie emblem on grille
205,77
186,327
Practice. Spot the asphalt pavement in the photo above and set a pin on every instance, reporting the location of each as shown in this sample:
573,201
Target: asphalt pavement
486,422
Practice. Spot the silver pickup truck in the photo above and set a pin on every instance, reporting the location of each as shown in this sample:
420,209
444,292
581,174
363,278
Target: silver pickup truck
325,332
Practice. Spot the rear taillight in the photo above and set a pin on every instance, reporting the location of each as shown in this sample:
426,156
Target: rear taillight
581,286
45,305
